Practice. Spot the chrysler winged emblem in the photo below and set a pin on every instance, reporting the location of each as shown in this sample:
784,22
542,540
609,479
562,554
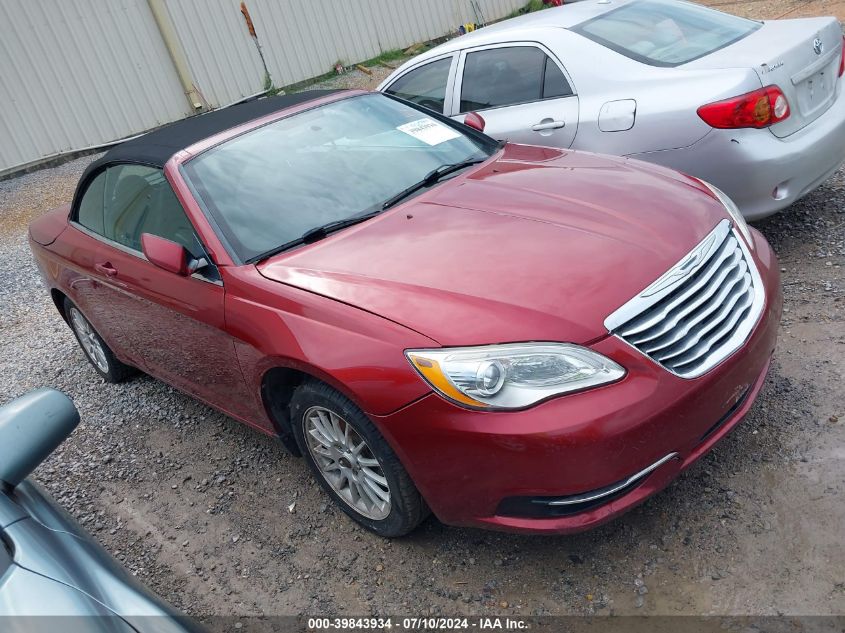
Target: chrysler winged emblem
818,46
683,268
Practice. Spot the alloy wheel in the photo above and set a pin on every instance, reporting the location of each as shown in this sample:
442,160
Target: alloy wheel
89,340
347,463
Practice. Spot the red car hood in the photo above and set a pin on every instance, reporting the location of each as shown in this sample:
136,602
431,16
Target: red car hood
537,244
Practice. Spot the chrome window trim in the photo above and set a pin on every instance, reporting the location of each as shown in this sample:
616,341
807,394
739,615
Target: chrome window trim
667,283
614,488
110,242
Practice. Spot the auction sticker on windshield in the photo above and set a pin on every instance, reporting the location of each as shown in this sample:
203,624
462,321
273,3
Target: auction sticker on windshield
429,131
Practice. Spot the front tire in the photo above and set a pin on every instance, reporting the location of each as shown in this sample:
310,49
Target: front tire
99,354
353,462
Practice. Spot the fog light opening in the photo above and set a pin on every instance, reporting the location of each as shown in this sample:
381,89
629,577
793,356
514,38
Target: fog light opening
781,191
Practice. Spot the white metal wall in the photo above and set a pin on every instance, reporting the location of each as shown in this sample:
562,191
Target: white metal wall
77,73
221,55
304,38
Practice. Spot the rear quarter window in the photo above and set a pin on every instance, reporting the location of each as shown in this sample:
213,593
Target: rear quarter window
663,33
92,205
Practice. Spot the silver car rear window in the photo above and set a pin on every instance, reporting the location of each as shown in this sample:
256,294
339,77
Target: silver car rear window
665,33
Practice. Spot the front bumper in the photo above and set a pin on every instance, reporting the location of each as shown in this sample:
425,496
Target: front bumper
760,172
468,464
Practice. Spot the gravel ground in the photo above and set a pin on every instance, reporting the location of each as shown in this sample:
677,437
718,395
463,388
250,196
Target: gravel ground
356,79
197,505
777,9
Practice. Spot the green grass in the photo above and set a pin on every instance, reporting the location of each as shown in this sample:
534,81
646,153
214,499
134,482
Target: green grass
533,5
305,83
269,88
386,56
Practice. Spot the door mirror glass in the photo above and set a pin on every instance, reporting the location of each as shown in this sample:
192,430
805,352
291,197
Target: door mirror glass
475,121
168,255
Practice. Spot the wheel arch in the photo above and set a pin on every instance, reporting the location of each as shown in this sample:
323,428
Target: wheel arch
279,381
277,387
59,298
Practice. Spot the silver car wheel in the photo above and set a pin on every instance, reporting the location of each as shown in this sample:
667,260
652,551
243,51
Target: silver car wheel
347,463
89,341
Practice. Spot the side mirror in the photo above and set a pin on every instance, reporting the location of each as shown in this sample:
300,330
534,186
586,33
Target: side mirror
475,121
169,255
31,427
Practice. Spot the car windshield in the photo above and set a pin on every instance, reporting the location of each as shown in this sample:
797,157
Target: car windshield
665,33
333,163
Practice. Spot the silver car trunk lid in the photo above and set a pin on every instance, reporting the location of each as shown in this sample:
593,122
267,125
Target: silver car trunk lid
801,57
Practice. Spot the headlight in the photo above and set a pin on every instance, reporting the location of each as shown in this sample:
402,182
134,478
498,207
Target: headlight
511,376
733,210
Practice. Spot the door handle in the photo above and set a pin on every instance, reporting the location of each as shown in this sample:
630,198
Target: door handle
107,269
548,124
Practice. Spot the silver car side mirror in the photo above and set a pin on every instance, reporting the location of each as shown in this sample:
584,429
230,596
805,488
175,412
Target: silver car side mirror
31,427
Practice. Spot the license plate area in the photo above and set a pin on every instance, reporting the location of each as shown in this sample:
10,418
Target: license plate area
816,92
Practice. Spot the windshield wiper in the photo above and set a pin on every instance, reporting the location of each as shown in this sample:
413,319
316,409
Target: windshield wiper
319,232
430,178
314,235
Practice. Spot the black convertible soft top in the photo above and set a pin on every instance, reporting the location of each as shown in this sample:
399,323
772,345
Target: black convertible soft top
155,148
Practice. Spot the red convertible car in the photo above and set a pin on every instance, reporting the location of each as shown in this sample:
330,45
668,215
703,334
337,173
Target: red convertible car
513,337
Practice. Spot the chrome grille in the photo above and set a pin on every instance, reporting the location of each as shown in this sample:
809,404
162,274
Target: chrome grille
699,312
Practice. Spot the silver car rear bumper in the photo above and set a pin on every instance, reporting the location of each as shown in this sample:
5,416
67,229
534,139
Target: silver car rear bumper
760,172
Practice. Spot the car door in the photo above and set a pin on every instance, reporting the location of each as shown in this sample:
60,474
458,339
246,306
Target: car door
430,84
81,249
521,90
175,324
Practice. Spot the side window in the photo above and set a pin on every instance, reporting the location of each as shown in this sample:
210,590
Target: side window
168,219
554,83
138,199
425,85
507,76
90,213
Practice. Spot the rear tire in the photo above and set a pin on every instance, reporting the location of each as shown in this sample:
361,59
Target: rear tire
99,354
353,462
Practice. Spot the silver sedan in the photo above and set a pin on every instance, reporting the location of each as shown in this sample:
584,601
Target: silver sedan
755,108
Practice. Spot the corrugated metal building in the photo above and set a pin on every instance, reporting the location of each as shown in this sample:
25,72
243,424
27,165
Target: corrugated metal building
81,73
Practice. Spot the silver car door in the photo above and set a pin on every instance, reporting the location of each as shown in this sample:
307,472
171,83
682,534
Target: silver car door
521,90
